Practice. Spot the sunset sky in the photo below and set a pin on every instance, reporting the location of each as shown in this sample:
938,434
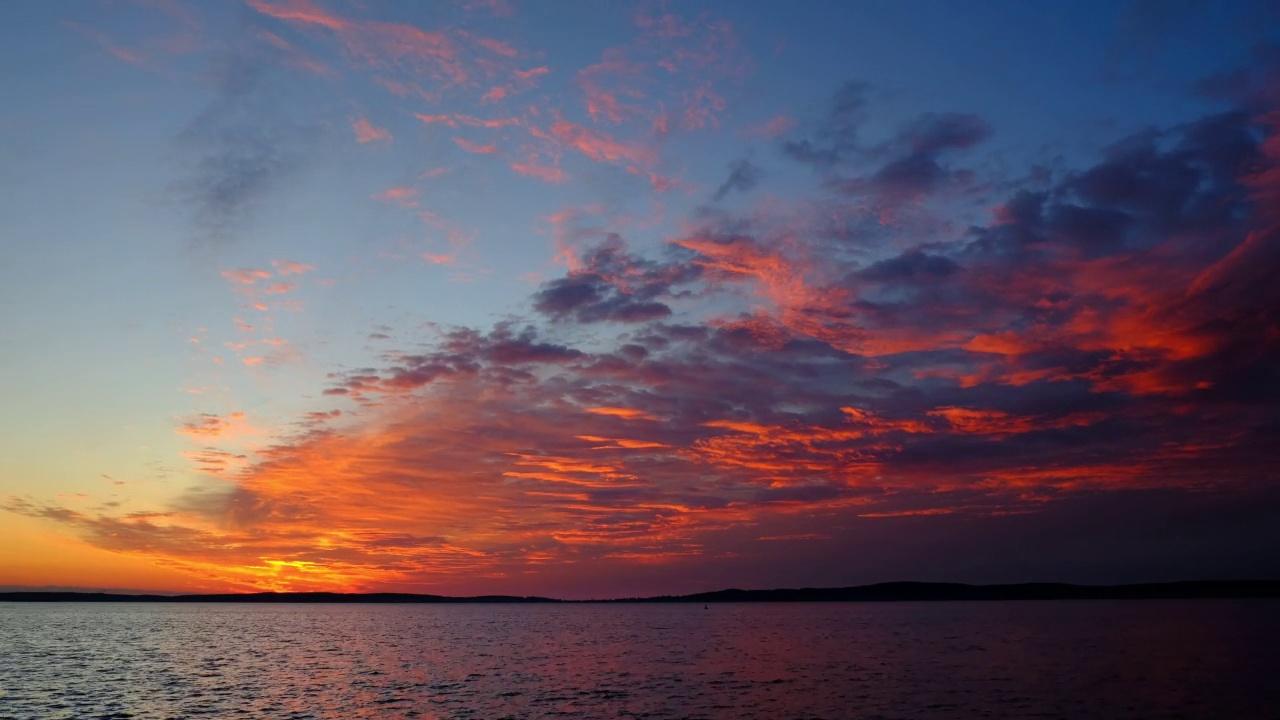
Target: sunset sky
602,299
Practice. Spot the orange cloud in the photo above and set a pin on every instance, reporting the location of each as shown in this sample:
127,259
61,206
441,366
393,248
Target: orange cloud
1002,424
908,513
208,426
621,443
288,267
245,276
619,412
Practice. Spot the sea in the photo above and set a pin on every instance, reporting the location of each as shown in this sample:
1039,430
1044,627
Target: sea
1141,659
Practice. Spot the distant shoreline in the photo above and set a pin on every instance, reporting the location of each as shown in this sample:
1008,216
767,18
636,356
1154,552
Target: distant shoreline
881,592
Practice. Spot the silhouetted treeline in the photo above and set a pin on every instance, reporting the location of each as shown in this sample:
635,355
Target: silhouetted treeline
921,591
882,592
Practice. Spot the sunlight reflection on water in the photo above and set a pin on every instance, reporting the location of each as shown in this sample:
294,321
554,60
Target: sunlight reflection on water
1144,659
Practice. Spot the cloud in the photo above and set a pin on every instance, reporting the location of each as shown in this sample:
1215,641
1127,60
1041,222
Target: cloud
403,196
120,53
548,173
914,163
301,11
245,276
744,175
772,128
672,76
294,57
612,286
155,52
600,146
402,55
367,133
288,267
475,147
837,134
207,427
244,144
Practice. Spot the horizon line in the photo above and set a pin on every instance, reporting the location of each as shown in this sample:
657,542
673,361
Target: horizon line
892,591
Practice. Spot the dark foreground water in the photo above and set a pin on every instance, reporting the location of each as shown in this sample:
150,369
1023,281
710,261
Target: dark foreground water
1083,659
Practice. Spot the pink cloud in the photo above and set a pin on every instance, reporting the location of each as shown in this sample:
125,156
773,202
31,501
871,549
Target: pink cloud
472,121
530,74
443,119
120,53
475,147
367,133
392,47
288,267
675,75
402,196
496,8
294,56
771,128
549,173
497,46
245,276
600,146
439,258
300,11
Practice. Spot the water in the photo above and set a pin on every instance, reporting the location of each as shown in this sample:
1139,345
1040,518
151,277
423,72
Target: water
1138,659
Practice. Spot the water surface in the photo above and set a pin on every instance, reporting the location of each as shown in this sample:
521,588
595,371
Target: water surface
1070,659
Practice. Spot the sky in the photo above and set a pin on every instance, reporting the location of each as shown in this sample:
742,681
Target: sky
613,299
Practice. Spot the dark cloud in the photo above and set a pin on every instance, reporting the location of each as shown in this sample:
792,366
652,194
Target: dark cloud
837,134
911,265
591,298
744,175
613,286
246,142
935,133
913,163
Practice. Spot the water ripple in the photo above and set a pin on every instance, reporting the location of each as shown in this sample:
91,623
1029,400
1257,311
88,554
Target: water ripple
1139,660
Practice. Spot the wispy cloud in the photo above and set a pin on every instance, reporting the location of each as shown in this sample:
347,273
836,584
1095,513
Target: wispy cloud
367,133
243,145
